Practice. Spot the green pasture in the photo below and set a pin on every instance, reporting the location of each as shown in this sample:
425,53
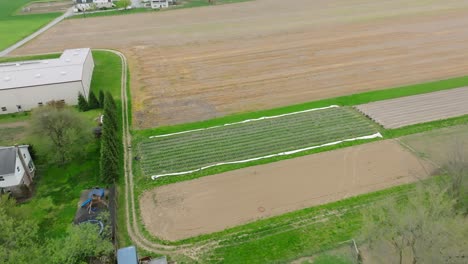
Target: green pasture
14,27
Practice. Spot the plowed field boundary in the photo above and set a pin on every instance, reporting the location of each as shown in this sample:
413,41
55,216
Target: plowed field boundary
410,110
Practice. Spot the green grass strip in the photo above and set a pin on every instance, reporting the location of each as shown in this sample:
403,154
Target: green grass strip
348,100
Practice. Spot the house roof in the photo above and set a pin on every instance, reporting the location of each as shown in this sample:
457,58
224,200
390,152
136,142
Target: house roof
67,68
8,166
7,160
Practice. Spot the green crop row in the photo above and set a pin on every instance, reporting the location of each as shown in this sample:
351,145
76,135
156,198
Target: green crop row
189,151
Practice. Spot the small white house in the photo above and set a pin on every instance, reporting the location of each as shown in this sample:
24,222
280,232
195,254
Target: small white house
29,84
84,5
158,4
16,170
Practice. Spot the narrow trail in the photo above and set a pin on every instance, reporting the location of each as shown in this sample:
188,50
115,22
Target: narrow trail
130,210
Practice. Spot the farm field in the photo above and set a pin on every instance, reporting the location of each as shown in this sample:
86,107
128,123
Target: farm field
173,154
274,53
440,146
217,202
14,27
416,109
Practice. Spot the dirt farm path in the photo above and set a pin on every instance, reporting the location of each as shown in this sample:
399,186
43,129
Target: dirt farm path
200,63
130,217
217,202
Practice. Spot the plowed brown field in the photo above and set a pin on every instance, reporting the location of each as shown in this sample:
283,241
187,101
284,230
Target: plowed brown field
194,64
418,109
213,203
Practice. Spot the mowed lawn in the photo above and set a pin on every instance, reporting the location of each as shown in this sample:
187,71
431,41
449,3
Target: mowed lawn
14,27
166,154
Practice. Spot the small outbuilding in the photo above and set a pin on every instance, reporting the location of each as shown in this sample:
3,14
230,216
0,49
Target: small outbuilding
158,4
16,171
29,84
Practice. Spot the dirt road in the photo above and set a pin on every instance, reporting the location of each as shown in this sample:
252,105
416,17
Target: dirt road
195,64
213,203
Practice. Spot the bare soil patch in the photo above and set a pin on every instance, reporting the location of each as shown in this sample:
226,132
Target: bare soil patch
214,203
46,7
418,109
441,145
13,132
195,64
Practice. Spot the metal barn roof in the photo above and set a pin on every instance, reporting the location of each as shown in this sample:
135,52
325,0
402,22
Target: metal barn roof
67,68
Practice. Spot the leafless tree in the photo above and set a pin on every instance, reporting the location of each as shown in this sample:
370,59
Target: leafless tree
420,228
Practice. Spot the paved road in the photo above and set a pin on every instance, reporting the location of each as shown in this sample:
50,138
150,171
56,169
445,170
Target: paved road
5,52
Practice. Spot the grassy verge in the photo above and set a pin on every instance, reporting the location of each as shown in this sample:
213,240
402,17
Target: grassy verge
14,27
106,77
183,4
292,235
32,57
112,13
14,117
348,100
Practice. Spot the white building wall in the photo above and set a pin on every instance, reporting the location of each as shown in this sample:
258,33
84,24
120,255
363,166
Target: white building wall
12,182
88,69
27,157
159,4
30,97
9,180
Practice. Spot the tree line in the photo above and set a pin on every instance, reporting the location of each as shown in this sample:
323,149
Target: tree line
110,141
110,138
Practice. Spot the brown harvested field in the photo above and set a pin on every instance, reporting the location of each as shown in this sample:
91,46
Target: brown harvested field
195,64
417,109
213,203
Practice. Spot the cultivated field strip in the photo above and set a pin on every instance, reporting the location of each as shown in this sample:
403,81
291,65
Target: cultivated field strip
417,109
182,153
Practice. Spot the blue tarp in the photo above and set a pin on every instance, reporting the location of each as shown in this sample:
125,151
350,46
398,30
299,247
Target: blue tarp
127,255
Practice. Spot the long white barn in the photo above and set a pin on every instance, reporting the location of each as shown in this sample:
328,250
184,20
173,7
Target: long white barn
28,84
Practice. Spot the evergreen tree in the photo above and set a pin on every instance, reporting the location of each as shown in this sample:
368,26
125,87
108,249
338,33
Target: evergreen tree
93,102
111,101
110,111
101,99
82,104
109,137
108,163
110,141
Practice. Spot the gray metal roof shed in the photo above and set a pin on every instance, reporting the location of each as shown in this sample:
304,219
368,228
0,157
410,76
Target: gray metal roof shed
127,255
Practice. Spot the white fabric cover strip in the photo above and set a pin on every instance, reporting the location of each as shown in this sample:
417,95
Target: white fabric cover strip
246,121
376,135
